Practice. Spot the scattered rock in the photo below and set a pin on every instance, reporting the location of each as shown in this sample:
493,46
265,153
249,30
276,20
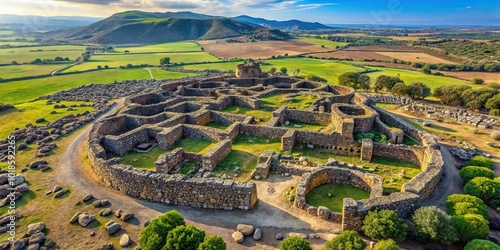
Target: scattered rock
245,229
22,146
60,193
101,203
127,216
35,228
39,120
37,238
118,213
92,234
56,188
112,227
238,237
124,240
278,236
108,246
85,219
35,246
257,235
18,245
88,198
301,235
75,217
313,236
22,188
105,212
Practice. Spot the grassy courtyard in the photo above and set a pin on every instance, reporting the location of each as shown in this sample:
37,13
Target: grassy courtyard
245,152
260,115
301,101
147,160
319,195
305,126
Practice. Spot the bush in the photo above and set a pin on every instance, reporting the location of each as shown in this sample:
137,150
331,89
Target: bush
461,204
384,224
213,242
295,243
470,226
184,238
481,244
470,172
434,224
495,135
154,235
389,244
486,189
6,106
346,240
481,161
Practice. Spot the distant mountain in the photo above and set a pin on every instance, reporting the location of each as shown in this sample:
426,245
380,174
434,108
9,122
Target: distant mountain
282,25
137,27
39,23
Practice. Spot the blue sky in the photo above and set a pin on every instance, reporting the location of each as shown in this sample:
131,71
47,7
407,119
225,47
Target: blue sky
382,12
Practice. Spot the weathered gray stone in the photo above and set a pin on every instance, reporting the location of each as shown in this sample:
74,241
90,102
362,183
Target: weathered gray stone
125,240
113,228
245,229
301,235
37,238
105,212
126,216
257,235
85,219
75,217
35,228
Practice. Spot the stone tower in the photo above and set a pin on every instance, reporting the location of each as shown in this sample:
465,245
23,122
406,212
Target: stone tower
250,69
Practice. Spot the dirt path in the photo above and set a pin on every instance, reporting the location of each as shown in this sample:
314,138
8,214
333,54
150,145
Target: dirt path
450,182
150,73
63,68
271,214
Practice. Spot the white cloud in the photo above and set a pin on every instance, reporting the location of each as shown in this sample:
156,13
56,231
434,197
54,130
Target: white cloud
468,7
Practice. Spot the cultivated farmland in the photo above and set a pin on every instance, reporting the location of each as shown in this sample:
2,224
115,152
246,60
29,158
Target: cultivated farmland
29,54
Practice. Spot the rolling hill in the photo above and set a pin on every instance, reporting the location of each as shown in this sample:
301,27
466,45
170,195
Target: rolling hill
136,27
282,25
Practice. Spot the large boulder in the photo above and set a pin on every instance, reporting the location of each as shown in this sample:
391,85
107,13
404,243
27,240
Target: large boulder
35,228
35,164
257,235
238,237
37,238
245,229
113,227
85,219
75,217
126,216
125,240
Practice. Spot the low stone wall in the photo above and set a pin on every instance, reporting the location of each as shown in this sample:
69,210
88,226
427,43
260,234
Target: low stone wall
120,145
401,100
211,193
362,116
262,131
308,117
402,152
216,154
394,135
167,138
226,118
288,140
167,162
368,182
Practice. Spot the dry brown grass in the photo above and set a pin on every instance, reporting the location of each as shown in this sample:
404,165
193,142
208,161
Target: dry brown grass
259,49
488,77
415,57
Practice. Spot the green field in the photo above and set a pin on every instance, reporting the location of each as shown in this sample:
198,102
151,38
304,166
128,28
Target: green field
29,54
163,47
409,76
319,195
16,92
116,60
15,71
17,43
305,126
329,70
325,42
28,112
299,102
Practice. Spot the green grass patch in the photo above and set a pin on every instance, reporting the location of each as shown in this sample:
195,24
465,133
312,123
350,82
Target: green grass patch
305,126
16,92
319,195
245,151
28,112
216,125
15,71
300,102
325,42
387,106
260,115
147,160
29,54
409,76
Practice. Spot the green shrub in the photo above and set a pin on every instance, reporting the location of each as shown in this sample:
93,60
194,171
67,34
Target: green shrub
346,240
384,224
470,226
5,106
213,242
481,161
154,235
389,244
461,204
434,224
486,189
184,238
295,243
470,172
481,244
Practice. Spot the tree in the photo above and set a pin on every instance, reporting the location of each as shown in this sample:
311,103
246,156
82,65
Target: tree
384,224
37,61
14,63
213,242
154,235
477,98
129,66
295,243
283,70
184,238
272,70
481,161
485,189
481,244
434,224
461,204
478,81
419,90
470,172
346,240
470,226
58,59
400,89
450,94
99,67
295,72
493,103
355,80
106,66
386,82
165,60
426,71
389,244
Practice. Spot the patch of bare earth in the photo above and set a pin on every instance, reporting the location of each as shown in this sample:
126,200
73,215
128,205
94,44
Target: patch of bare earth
258,49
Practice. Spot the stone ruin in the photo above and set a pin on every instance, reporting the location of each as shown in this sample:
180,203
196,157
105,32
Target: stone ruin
180,109
248,70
